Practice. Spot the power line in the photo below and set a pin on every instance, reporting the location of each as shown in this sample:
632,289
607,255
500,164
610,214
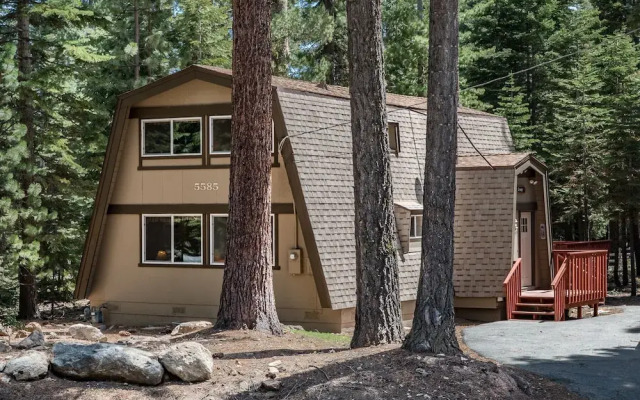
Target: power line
424,101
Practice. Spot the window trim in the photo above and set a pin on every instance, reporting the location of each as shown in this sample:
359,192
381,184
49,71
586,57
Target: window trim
211,243
143,122
171,258
228,153
411,224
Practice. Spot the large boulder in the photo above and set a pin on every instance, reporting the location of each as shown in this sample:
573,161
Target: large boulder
5,347
102,361
36,338
30,366
33,326
191,326
189,361
86,332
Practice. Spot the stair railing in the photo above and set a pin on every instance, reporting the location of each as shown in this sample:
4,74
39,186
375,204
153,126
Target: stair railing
513,287
560,285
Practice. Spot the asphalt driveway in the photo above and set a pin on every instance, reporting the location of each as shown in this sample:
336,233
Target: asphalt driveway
596,357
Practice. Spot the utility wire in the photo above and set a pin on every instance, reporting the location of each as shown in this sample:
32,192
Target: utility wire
410,106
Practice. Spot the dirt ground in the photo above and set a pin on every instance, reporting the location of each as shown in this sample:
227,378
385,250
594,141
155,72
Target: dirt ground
311,365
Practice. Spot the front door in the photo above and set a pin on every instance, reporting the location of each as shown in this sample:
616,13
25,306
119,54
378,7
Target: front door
525,248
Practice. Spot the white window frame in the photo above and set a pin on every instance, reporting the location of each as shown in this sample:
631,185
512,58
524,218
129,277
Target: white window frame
273,239
170,121
214,117
171,257
416,217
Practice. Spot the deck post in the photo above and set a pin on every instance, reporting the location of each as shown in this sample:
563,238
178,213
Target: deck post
595,309
579,312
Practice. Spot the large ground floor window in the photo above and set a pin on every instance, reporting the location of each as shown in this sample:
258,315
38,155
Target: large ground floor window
172,239
219,239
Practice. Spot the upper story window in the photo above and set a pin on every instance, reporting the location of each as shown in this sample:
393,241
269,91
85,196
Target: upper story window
220,128
172,239
415,232
171,136
394,137
219,239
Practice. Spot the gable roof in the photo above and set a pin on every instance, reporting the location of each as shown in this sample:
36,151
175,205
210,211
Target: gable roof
318,159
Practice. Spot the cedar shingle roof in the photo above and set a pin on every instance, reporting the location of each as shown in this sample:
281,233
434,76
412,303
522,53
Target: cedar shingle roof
322,155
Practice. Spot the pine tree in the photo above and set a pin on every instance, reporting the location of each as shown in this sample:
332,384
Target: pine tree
433,328
513,106
577,125
378,309
406,42
247,299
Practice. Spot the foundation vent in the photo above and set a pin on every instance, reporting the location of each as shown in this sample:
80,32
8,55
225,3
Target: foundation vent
179,310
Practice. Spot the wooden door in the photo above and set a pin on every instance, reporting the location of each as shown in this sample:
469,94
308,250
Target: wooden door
526,248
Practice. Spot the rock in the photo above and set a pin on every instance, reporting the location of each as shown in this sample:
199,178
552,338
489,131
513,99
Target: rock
5,379
191,326
124,333
21,334
102,361
422,371
2,365
217,355
274,370
275,363
5,330
4,347
271,385
52,335
36,338
33,326
189,361
30,366
86,332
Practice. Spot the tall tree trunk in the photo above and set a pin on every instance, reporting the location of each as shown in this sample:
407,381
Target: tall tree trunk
136,23
28,301
247,298
624,255
433,327
614,228
378,314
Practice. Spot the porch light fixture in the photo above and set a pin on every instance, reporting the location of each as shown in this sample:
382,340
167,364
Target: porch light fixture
533,182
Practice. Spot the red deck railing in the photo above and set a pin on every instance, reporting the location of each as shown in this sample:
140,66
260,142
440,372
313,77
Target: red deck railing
580,277
513,287
559,287
580,280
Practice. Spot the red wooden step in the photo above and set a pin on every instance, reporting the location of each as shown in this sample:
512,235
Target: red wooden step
539,305
517,312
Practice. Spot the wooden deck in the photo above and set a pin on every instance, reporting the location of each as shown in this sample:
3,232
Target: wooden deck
580,278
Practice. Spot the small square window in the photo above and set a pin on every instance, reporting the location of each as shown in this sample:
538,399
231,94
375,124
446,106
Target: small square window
172,239
394,137
157,137
415,231
186,137
221,134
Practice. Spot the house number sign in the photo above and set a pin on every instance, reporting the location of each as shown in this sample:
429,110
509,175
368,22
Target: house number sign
198,186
